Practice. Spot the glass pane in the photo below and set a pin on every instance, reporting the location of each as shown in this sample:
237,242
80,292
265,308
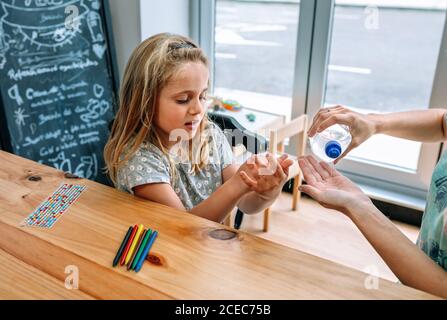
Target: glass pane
255,53
383,59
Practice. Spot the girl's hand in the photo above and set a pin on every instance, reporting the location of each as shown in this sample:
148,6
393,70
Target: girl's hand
361,126
265,175
327,186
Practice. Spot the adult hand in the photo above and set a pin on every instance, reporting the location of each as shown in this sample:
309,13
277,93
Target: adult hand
361,126
331,189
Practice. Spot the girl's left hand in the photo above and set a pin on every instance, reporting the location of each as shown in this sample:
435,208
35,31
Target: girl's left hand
266,175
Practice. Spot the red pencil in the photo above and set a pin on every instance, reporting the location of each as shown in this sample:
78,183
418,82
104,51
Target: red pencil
129,242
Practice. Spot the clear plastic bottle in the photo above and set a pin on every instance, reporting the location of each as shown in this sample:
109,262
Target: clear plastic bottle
329,144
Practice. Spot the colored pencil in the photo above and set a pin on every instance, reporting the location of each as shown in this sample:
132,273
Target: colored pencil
134,243
140,241
140,251
146,251
123,257
123,244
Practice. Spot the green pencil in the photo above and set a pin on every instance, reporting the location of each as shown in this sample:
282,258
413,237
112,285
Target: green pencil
143,244
140,241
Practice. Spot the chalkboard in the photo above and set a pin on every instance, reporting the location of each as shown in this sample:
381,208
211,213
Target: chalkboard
58,82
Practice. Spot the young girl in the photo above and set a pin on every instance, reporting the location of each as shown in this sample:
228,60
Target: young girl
424,268
161,122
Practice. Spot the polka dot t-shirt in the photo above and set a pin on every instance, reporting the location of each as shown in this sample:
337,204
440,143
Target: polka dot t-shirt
150,165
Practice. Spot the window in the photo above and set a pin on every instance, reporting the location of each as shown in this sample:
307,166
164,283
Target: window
252,38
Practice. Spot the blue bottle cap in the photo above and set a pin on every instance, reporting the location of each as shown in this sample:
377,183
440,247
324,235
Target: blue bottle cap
333,149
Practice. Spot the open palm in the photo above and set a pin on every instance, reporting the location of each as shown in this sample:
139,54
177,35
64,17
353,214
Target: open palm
327,186
265,175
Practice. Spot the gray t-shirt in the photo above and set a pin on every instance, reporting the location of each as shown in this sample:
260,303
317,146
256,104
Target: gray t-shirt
150,165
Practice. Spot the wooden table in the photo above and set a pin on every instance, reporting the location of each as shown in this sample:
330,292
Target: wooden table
186,261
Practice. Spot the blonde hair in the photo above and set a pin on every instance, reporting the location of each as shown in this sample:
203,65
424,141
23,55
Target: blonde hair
148,70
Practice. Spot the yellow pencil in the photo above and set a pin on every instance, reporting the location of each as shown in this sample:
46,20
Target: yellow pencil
134,243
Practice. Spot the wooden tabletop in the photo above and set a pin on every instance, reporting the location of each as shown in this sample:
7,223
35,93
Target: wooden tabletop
188,261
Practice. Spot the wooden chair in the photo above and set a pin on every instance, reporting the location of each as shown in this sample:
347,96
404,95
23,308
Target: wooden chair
296,127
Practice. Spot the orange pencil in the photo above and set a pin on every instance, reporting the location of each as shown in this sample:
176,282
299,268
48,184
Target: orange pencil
129,242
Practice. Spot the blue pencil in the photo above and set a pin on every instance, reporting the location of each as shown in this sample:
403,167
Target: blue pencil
146,251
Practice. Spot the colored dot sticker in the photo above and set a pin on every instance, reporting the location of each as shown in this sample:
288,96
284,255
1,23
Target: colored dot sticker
49,211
